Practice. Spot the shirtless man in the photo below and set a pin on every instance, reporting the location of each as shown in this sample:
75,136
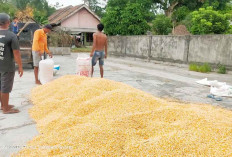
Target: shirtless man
98,53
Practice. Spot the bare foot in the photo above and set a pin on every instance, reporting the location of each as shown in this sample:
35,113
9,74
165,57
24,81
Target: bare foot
11,111
10,107
38,82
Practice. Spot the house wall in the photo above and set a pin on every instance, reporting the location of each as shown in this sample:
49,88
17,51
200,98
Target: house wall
82,19
87,20
72,21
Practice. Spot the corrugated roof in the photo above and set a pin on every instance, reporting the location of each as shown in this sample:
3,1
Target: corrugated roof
64,13
58,12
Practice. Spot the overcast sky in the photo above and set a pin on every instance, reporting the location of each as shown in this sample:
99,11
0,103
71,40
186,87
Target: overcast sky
65,2
68,2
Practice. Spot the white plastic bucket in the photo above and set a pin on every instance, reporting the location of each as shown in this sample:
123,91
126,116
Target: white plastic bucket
46,70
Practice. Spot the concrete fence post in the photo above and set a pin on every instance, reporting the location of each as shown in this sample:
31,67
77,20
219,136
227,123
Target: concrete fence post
187,48
122,40
149,48
125,46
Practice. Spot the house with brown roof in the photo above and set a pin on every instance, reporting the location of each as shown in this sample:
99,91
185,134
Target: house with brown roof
78,20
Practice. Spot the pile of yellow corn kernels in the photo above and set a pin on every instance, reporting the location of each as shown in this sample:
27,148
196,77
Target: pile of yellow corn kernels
78,116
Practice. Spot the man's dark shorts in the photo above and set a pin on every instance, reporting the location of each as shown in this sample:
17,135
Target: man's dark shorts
6,81
98,55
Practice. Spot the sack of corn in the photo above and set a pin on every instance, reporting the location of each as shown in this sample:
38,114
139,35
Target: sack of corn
79,116
83,66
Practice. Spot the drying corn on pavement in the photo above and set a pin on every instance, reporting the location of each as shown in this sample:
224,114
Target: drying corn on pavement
158,79
78,116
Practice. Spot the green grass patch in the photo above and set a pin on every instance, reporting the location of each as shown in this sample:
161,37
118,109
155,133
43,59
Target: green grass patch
205,68
193,67
221,69
81,49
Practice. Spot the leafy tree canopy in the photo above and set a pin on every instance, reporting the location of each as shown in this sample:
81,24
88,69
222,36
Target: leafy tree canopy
209,21
162,25
41,9
125,17
169,6
94,5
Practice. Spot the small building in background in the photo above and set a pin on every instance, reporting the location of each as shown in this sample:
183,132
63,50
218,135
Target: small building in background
78,21
180,30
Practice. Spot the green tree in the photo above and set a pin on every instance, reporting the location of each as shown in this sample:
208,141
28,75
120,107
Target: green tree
40,17
117,3
216,4
169,6
133,20
187,22
41,9
162,25
7,8
21,4
128,17
180,14
147,6
209,21
112,21
94,5
3,1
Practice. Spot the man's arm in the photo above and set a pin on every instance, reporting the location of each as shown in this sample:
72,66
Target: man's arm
94,44
46,49
106,47
18,60
17,55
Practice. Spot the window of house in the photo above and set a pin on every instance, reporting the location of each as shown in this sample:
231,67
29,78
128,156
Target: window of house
89,37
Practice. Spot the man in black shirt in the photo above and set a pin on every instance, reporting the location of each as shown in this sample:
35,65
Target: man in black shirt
9,53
